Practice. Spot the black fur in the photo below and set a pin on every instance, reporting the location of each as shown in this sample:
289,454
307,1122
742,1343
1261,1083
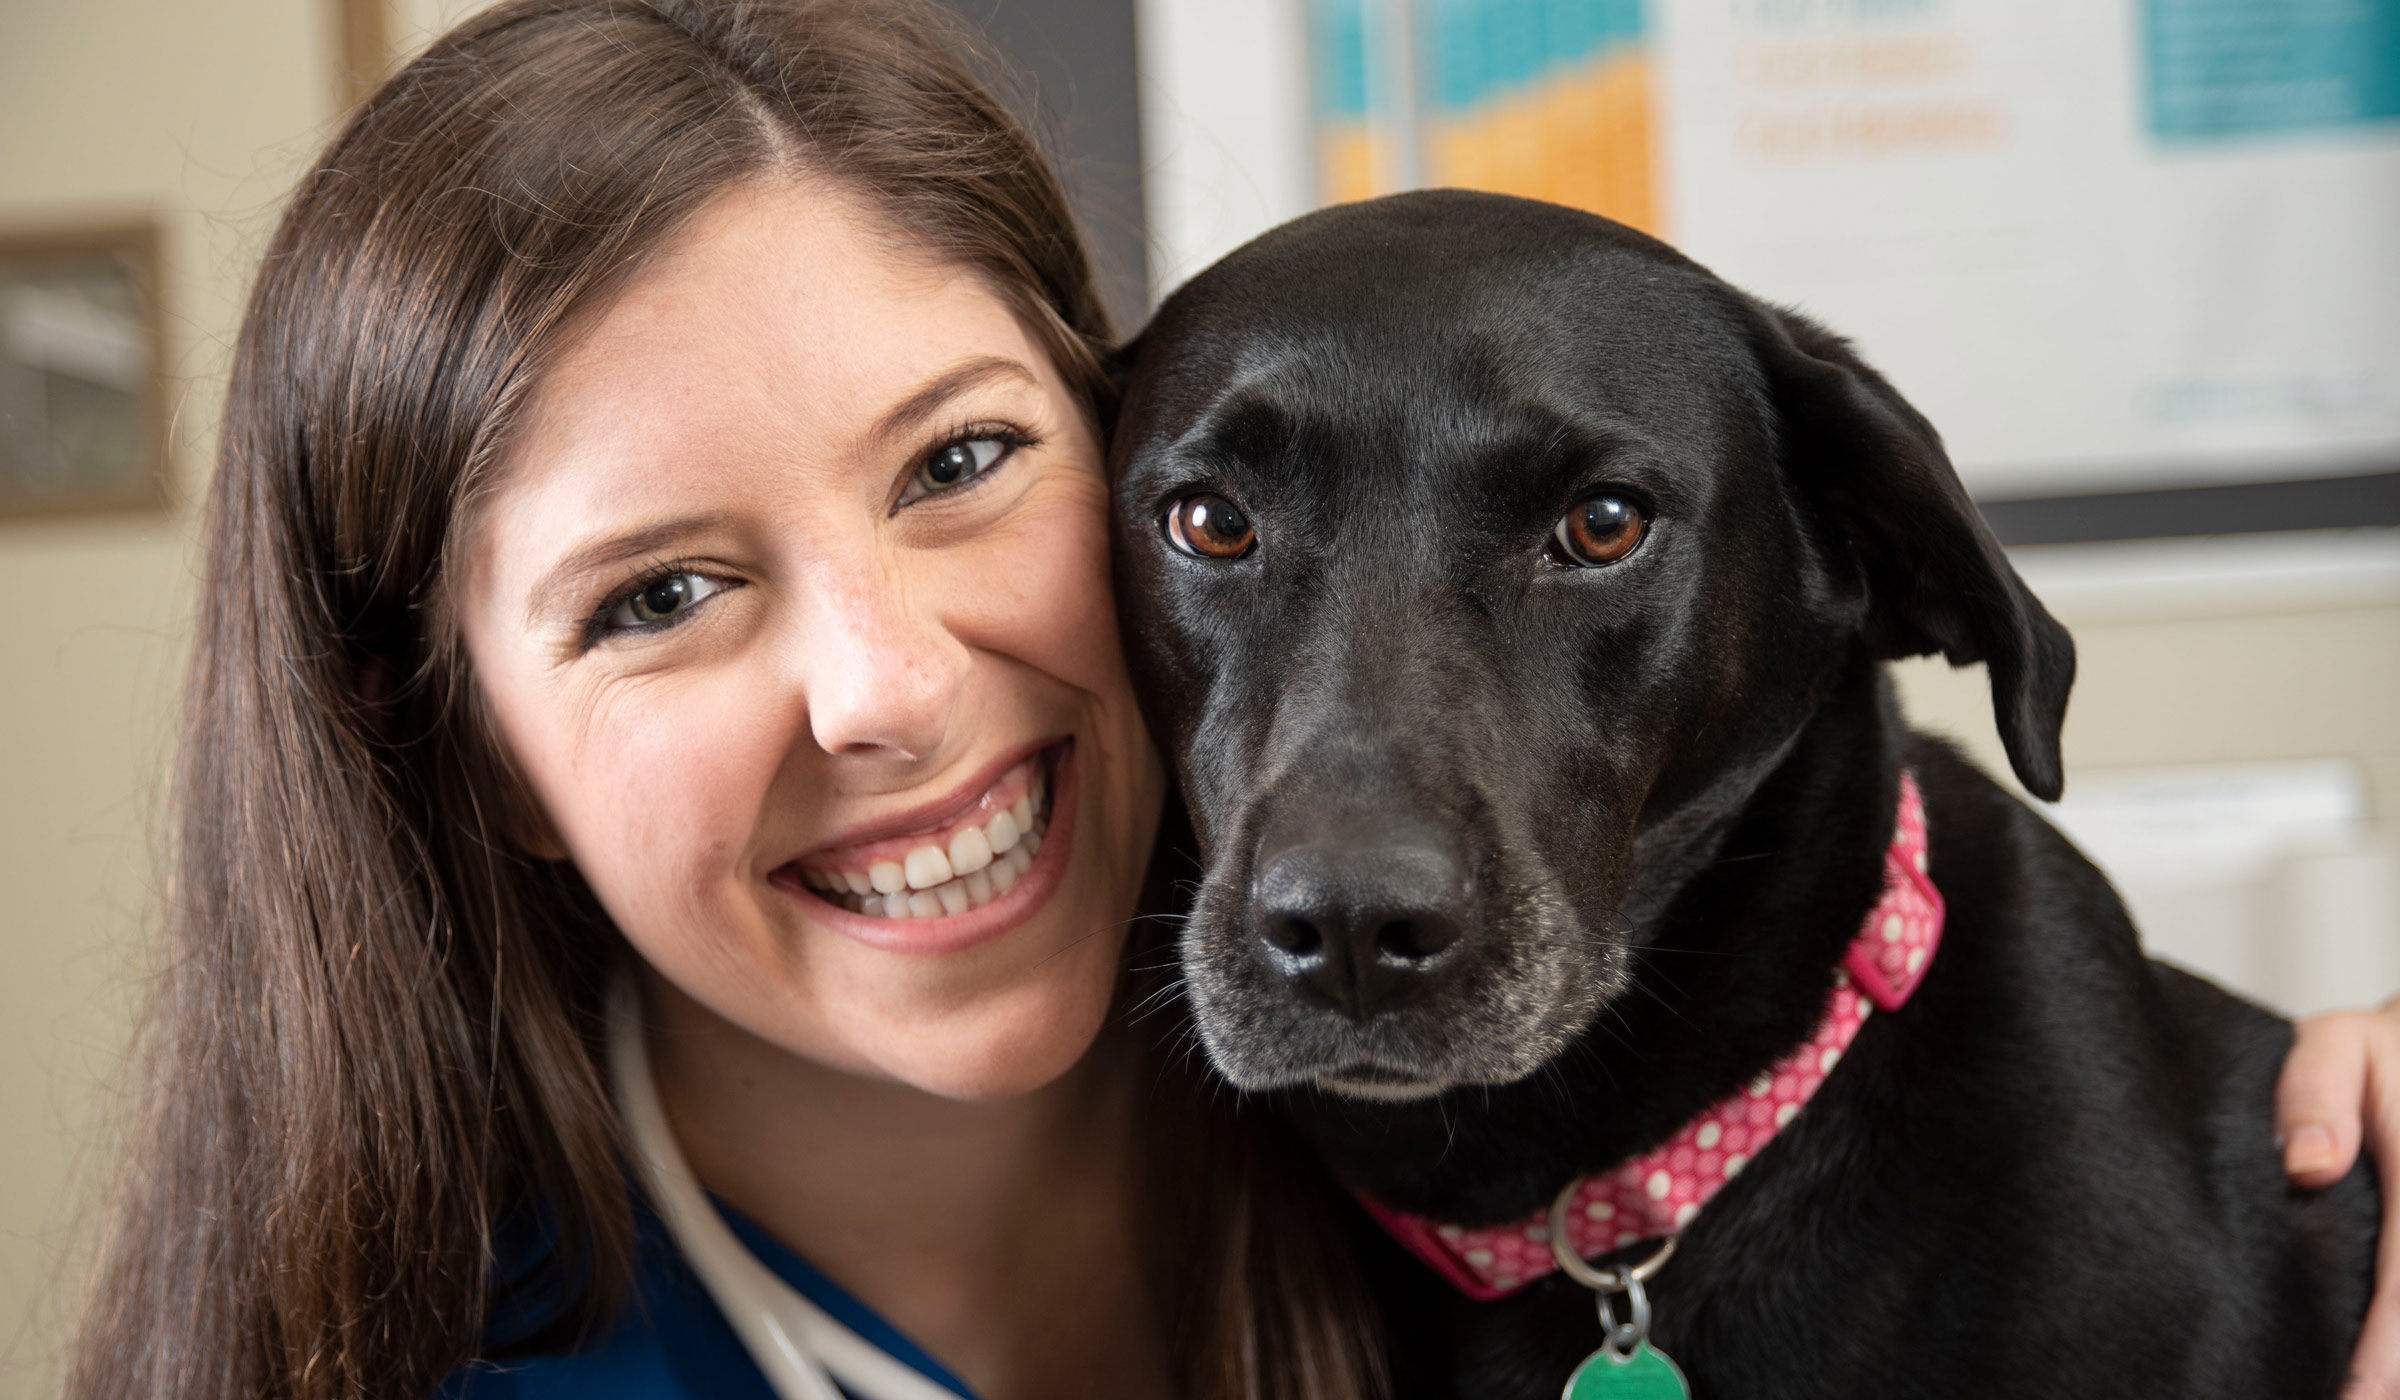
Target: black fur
1663,788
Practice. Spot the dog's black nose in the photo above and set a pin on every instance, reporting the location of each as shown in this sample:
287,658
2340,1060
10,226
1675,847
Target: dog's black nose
1363,927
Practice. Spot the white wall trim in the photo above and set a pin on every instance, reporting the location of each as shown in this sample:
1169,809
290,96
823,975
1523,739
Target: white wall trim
2214,575
1227,147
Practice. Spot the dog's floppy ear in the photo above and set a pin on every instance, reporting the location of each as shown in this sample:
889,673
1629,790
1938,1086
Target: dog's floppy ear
1936,580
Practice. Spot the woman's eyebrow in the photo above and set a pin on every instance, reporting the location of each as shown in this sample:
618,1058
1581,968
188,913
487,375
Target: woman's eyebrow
922,404
654,539
615,549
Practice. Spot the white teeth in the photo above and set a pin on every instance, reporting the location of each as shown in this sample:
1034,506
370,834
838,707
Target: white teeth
927,867
969,851
998,875
951,897
981,864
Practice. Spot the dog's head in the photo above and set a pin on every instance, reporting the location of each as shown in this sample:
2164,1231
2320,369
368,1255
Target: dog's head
1479,559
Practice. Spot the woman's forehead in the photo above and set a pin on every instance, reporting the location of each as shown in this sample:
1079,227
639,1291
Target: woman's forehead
780,299
781,343
780,321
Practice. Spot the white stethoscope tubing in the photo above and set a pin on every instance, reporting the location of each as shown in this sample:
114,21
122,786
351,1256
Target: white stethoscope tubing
796,1344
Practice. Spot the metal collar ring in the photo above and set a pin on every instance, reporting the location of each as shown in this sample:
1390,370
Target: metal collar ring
1614,1279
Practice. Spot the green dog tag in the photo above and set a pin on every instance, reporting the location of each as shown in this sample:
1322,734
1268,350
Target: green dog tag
1645,1375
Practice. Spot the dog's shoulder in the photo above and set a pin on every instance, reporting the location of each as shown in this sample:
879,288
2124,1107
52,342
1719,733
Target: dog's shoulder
2003,867
2229,1054
2144,1041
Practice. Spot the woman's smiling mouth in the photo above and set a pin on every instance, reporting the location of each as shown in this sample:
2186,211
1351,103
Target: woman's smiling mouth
961,865
985,856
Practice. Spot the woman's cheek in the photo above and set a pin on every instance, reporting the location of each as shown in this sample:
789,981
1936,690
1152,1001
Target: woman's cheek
664,790
1060,607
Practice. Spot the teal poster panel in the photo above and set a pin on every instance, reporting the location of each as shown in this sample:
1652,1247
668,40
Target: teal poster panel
2219,68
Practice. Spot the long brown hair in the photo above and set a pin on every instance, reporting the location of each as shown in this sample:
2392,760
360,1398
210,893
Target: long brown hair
374,1042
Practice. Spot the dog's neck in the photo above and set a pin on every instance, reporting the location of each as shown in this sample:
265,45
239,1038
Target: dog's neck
1731,977
1663,1190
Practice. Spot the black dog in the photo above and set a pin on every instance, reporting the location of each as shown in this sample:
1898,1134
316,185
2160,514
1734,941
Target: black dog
1512,597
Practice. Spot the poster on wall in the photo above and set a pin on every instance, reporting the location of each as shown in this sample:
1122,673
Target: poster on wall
1548,101
2106,246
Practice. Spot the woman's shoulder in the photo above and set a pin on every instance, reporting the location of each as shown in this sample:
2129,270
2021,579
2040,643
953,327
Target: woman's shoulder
626,1364
668,1341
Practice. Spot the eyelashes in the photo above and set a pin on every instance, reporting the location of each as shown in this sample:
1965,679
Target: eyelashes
962,459
661,597
668,593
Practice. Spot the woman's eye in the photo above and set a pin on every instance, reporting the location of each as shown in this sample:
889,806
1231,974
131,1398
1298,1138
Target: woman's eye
1600,530
954,464
662,601
1208,526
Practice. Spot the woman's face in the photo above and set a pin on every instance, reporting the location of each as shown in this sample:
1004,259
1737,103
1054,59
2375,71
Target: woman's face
791,606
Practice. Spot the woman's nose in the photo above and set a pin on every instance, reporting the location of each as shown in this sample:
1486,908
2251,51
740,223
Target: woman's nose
879,674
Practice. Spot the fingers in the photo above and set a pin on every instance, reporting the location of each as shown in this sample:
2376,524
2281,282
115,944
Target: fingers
2375,1366
2320,1100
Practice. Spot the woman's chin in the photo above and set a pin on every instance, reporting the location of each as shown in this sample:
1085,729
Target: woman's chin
1002,1047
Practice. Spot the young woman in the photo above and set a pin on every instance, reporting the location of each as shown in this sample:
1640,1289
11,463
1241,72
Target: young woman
656,717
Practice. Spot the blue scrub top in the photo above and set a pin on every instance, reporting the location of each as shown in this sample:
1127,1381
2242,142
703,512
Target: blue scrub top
672,1343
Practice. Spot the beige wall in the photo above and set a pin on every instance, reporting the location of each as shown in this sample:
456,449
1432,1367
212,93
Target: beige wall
2312,672
201,113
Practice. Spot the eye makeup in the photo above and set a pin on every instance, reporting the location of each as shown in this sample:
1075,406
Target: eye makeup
667,578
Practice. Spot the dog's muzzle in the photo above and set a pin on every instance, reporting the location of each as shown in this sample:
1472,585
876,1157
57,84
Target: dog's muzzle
1371,962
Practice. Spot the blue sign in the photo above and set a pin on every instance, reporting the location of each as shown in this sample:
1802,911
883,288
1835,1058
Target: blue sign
2238,67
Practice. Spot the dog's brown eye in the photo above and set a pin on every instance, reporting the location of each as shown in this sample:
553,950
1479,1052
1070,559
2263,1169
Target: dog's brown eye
1599,530
1210,527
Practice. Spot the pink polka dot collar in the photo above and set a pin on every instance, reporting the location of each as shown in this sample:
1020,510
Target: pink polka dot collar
1660,1192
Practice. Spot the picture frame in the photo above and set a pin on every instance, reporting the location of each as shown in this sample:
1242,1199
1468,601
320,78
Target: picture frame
83,388
364,28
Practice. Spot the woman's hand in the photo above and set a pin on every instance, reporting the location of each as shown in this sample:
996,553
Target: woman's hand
2342,1082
